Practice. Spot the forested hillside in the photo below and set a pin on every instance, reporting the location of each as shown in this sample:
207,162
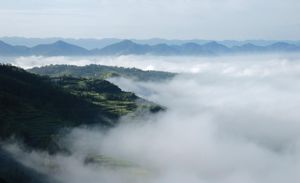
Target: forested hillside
35,109
101,72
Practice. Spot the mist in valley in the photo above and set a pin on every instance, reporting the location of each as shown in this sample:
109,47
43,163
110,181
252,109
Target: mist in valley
228,119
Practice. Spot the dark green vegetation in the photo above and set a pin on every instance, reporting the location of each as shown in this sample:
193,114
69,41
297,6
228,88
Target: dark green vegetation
101,72
36,108
116,164
12,171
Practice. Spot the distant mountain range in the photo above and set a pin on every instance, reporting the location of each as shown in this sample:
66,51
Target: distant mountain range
90,43
128,47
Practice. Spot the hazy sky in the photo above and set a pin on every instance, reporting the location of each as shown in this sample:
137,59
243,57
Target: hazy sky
180,19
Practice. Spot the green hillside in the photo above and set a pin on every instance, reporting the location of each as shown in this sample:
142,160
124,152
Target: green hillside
36,108
101,72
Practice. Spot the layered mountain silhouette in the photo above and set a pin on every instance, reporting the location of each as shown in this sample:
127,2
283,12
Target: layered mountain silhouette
92,43
9,50
58,48
127,47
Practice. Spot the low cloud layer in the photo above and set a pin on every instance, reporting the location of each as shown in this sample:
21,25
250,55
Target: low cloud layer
229,120
179,64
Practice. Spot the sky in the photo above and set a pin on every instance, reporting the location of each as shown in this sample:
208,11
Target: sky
143,19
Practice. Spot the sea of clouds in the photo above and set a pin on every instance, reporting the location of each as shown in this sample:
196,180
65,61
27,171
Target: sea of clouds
228,120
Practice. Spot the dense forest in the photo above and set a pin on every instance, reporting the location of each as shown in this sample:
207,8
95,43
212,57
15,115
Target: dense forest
36,108
101,72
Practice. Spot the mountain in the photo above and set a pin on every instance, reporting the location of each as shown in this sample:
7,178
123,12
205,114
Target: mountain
87,43
163,49
90,43
283,47
125,47
6,49
215,48
9,50
101,72
210,48
191,49
128,47
36,109
248,48
58,48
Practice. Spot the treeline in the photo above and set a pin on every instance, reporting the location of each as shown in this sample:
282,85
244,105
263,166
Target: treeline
101,72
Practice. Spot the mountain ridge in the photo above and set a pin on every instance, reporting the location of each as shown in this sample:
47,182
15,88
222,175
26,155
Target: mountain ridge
128,47
93,43
101,72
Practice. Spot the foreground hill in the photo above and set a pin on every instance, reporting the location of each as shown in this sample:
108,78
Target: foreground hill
101,72
12,171
36,108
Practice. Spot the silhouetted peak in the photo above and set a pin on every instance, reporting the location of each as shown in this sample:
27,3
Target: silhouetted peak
212,43
281,44
126,42
190,44
59,42
249,45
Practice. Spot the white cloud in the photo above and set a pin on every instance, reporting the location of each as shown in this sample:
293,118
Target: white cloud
235,120
250,63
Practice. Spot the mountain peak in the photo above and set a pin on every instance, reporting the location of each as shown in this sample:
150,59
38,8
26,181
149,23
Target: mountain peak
58,48
60,42
213,43
249,45
215,46
281,44
126,42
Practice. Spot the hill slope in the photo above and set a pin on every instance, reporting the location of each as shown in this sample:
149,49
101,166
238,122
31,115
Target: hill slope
102,72
12,171
36,108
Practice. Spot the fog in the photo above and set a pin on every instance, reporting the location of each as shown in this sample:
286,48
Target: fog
228,120
180,64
